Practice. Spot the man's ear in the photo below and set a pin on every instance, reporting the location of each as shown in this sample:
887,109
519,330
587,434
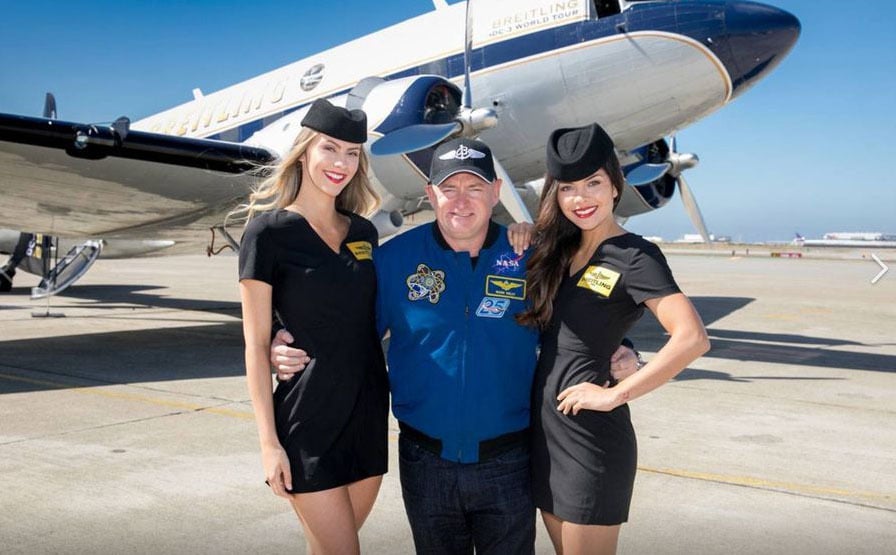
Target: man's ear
497,184
430,194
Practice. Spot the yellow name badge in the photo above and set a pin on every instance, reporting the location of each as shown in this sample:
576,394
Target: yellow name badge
505,287
361,249
600,280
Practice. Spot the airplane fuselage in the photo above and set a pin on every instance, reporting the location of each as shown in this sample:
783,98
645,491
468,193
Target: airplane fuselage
644,73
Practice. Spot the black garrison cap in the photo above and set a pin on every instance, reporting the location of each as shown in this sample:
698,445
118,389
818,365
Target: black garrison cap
337,122
462,155
575,153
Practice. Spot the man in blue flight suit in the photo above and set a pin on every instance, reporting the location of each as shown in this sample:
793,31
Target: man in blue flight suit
460,367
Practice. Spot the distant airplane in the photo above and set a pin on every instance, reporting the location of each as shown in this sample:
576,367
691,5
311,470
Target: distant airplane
860,239
507,71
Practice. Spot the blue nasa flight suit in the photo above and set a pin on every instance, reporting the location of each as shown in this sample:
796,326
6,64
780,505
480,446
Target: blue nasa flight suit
460,370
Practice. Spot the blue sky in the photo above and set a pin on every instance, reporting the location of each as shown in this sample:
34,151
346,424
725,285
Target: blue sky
808,149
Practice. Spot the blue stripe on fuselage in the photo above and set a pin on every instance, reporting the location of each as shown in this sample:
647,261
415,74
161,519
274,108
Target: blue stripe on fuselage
697,20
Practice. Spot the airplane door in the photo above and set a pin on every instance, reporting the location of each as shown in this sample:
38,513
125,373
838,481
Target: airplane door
68,270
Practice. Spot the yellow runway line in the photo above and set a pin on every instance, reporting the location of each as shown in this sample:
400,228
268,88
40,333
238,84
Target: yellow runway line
766,484
94,390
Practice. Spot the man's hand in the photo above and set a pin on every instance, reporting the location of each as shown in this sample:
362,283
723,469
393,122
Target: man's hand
288,361
623,363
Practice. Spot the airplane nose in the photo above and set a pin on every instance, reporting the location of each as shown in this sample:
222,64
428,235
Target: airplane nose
759,36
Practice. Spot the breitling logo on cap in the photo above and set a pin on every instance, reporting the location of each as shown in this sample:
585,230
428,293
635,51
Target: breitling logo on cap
462,155
462,152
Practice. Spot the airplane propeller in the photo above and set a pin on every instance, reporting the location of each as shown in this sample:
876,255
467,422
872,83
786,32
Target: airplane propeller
50,106
678,163
468,121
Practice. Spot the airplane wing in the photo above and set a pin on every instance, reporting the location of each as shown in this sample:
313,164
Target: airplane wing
72,179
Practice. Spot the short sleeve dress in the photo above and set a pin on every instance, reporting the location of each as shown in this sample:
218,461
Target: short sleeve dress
583,466
331,418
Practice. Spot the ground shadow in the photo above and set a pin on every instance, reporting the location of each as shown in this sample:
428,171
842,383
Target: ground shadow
757,346
216,350
175,353
115,296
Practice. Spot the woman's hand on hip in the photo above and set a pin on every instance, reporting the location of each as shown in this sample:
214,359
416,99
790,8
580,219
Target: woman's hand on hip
588,396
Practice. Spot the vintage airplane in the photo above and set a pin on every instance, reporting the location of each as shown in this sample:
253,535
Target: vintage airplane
643,69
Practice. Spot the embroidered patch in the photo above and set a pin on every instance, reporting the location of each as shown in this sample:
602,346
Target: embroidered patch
600,280
492,308
505,287
361,249
507,262
426,283
462,152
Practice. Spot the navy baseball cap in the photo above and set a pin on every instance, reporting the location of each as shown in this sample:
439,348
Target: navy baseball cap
462,155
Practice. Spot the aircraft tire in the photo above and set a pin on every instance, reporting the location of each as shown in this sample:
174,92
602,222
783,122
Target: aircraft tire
6,283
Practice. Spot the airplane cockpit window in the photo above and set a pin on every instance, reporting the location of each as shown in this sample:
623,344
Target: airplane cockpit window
604,8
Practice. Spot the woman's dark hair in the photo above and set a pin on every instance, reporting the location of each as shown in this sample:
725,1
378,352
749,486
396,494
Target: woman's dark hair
557,240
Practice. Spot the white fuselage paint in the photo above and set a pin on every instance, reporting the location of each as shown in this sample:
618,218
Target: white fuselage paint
641,86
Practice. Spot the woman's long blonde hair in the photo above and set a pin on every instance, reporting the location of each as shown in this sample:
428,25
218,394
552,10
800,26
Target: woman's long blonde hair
284,179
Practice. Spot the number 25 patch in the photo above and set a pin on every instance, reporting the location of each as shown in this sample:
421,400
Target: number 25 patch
492,308
600,280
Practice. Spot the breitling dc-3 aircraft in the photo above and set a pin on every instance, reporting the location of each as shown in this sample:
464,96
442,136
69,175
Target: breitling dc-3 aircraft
508,71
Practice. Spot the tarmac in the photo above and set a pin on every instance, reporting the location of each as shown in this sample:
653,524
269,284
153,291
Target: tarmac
125,425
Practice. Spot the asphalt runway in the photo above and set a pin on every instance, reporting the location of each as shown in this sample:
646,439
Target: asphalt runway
125,425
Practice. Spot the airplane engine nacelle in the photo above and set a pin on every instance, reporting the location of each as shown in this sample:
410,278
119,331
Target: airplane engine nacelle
646,197
398,103
387,222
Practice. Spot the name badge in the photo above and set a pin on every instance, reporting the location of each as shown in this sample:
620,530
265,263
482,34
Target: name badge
600,280
361,249
505,287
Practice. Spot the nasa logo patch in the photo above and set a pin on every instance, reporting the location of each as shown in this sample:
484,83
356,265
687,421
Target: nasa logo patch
509,262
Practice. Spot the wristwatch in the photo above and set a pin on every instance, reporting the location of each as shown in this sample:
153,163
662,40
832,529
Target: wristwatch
640,362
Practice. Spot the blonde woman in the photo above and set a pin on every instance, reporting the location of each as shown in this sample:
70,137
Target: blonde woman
306,257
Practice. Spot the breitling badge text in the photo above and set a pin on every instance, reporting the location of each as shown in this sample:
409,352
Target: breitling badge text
600,280
426,284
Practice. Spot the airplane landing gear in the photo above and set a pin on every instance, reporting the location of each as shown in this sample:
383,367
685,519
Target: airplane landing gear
6,275
19,252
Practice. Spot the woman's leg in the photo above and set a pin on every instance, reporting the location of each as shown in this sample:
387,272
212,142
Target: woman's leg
554,526
362,494
329,521
579,539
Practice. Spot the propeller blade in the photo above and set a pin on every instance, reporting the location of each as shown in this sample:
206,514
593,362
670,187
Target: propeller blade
510,198
467,100
647,173
413,138
50,106
690,206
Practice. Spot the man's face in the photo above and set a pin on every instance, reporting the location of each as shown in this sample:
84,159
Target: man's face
463,205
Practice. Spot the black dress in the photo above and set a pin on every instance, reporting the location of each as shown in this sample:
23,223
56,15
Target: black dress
331,418
583,466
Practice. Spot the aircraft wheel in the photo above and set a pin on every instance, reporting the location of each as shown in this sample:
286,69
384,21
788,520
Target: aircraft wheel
6,283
